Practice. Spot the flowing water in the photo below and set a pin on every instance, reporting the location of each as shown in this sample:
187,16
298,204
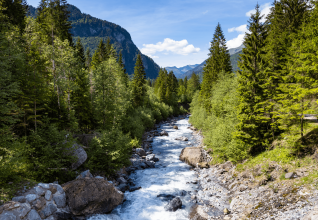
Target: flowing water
170,177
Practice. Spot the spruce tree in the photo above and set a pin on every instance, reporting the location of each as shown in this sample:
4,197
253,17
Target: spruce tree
219,60
253,125
15,12
122,65
138,83
79,50
88,59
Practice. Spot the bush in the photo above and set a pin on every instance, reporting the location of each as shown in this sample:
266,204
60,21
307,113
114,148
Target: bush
109,152
49,148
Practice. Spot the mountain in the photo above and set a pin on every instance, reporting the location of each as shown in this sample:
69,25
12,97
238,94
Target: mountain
179,71
91,30
234,52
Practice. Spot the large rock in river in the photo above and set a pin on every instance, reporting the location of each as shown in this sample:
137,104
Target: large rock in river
192,155
88,196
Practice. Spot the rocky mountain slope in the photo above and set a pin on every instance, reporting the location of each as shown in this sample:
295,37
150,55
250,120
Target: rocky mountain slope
91,30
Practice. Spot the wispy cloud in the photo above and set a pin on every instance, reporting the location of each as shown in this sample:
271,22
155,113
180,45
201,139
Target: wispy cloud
169,45
205,12
242,29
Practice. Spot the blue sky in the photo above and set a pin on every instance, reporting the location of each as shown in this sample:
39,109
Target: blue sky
174,32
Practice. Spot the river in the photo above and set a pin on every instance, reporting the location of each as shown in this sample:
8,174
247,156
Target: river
170,177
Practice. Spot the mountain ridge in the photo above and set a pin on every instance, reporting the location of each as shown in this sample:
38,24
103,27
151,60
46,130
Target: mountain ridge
91,30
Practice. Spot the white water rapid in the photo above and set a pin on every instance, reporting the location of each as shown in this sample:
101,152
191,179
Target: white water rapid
170,177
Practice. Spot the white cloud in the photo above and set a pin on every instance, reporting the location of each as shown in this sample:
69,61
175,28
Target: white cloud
205,12
153,57
168,45
241,29
236,42
265,10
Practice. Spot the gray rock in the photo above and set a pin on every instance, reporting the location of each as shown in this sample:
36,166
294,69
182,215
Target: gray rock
84,174
164,133
99,177
20,199
51,218
122,180
290,175
123,187
150,157
174,205
44,185
79,152
181,139
39,203
150,164
33,215
7,215
24,209
39,191
31,197
60,200
141,152
48,195
48,210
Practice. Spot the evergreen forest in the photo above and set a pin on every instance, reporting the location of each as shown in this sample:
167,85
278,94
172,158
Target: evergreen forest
52,90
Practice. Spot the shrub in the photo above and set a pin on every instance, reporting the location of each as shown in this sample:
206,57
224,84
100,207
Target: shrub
110,151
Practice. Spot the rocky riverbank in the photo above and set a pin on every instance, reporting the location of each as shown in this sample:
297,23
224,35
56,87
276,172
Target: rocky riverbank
225,193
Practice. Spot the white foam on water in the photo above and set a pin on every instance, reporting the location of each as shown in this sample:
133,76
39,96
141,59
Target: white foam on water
169,177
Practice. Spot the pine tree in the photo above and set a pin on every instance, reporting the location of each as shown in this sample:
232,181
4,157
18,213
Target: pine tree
253,125
302,66
15,12
80,54
122,65
219,60
100,54
88,59
192,86
138,83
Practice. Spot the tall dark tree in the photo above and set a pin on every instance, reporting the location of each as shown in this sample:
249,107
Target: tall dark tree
15,12
254,123
219,60
80,53
122,65
138,83
88,59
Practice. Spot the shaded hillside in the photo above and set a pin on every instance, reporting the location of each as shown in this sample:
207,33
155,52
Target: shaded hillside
91,30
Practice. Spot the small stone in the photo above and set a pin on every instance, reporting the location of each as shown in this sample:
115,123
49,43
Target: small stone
33,215
99,177
174,204
40,191
48,195
290,175
141,152
31,197
122,180
44,185
20,199
226,211
175,127
60,200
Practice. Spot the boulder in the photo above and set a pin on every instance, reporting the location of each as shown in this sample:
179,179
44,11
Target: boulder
164,133
141,152
88,196
78,152
192,155
175,127
174,205
150,164
181,139
150,157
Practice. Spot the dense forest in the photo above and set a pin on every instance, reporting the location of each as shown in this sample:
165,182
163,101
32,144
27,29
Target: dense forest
265,102
52,90
92,30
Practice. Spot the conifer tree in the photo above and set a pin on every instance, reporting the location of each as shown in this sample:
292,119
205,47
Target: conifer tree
253,125
219,60
138,83
88,59
122,65
100,54
79,50
15,12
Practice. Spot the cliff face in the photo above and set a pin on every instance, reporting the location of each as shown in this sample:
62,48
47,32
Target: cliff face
91,30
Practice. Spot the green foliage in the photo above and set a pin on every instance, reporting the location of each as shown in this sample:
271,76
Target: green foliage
109,151
138,83
218,125
219,60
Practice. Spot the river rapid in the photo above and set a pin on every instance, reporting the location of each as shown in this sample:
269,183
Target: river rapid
171,177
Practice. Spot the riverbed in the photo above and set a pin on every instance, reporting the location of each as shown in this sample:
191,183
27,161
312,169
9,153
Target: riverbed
169,178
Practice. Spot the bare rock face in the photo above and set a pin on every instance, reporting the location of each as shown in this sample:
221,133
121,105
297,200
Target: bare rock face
80,154
192,155
91,196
